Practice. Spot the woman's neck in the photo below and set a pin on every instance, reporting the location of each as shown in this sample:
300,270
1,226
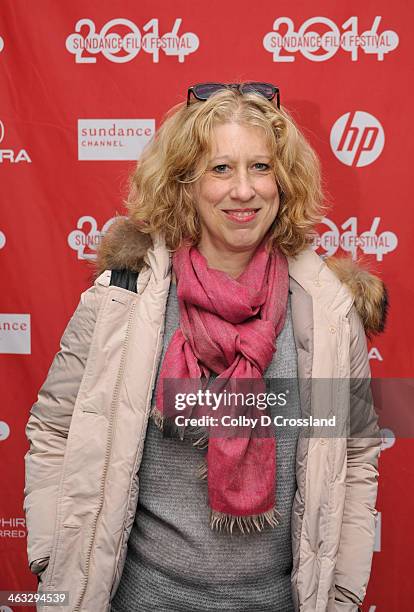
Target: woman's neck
232,263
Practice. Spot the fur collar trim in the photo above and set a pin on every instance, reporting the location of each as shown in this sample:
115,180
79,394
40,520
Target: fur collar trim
124,246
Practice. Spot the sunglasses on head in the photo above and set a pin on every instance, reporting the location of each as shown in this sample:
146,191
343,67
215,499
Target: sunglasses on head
202,91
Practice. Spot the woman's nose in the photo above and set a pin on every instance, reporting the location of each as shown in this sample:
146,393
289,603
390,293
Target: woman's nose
242,187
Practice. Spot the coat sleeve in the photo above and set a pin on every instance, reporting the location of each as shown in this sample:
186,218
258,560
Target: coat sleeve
356,545
48,427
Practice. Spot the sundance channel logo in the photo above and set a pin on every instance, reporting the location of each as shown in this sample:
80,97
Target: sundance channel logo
15,334
113,139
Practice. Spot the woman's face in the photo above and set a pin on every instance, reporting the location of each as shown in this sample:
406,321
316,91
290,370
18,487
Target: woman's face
237,197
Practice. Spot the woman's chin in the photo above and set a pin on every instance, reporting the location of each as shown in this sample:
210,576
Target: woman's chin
243,241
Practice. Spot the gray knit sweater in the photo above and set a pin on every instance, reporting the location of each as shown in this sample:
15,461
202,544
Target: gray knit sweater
175,562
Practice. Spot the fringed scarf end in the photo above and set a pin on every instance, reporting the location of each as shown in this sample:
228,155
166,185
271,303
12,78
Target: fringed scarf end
157,417
202,470
201,436
166,425
198,435
246,524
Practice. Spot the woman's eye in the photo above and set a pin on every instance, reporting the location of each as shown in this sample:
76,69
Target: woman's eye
261,166
220,169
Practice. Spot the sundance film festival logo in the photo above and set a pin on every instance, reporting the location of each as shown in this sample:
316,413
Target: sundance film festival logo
4,431
348,238
86,237
387,438
357,139
120,40
1,44
11,156
2,239
318,39
108,139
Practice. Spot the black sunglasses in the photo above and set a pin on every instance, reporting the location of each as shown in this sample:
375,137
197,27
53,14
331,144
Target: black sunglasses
202,91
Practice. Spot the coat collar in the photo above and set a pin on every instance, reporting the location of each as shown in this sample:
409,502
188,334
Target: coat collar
336,283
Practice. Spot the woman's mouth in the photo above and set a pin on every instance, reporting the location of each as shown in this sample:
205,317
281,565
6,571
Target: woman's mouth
242,215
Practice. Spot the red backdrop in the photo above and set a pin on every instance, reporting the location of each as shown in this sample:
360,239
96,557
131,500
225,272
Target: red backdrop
83,86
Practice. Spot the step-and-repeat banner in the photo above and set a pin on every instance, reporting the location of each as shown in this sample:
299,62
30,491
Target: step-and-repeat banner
84,86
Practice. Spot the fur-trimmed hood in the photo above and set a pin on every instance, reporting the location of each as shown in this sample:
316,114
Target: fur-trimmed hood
124,247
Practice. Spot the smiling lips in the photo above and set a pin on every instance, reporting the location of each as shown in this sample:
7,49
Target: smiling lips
241,215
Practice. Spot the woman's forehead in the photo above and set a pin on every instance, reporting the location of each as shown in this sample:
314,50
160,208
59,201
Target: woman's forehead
228,138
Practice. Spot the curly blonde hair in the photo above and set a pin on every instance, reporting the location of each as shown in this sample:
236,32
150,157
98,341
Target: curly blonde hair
161,200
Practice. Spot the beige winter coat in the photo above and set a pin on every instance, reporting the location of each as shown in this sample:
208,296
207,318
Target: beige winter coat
87,431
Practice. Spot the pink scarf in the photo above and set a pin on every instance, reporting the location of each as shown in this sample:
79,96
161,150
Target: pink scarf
229,327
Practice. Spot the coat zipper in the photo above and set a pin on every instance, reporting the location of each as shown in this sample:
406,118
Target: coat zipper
114,405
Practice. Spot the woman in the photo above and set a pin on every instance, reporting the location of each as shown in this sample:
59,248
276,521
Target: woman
212,275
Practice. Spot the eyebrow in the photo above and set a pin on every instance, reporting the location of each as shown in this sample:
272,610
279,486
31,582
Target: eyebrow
228,157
